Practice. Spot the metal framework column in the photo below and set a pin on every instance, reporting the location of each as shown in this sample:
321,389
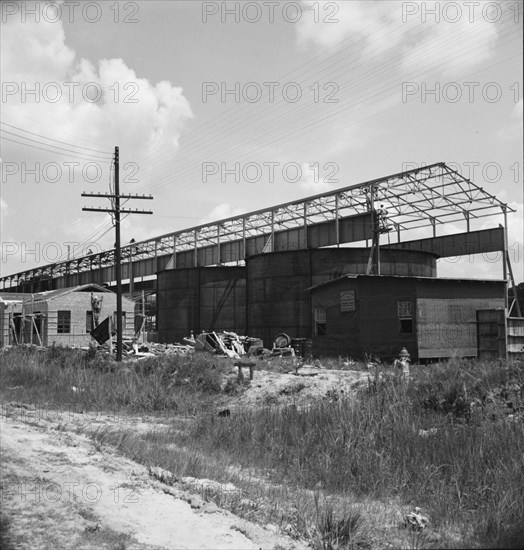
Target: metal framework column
306,243
195,251
218,245
272,248
174,251
337,228
505,257
244,239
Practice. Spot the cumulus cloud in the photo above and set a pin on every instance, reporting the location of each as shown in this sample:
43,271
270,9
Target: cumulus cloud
95,104
315,181
223,211
450,42
104,102
512,128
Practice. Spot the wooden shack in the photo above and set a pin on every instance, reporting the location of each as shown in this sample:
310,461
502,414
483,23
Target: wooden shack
62,317
370,314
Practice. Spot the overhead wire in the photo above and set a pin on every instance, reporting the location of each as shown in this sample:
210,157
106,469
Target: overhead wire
238,121
55,148
159,181
318,119
106,153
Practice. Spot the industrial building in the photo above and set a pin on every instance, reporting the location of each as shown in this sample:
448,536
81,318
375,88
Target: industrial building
259,273
200,299
359,315
61,317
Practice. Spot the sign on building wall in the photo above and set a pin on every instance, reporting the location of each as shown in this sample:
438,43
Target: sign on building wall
347,300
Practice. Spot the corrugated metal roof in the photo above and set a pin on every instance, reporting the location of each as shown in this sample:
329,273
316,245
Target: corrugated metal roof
434,279
12,297
53,294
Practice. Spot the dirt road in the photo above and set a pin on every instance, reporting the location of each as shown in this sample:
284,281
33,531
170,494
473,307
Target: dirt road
60,492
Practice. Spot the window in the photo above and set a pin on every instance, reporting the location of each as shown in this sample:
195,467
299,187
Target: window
405,316
63,325
347,300
89,321
320,321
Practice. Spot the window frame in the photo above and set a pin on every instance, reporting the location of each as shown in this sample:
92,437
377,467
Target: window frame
63,326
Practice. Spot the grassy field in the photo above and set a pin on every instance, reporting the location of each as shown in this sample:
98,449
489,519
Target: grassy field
451,443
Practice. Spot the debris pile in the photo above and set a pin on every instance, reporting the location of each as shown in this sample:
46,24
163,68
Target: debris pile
227,343
416,520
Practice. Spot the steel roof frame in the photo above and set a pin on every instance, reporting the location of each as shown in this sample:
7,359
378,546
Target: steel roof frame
422,197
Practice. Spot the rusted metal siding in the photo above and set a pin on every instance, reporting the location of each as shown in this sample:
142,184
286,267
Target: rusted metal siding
196,299
448,326
515,337
491,333
277,283
499,336
458,244
342,327
442,316
380,328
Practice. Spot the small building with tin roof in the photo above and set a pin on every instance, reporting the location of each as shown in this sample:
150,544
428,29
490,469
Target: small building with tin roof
359,315
62,317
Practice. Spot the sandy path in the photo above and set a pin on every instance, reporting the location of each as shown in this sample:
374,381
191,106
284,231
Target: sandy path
59,492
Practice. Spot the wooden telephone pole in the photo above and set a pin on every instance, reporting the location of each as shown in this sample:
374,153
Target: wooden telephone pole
116,210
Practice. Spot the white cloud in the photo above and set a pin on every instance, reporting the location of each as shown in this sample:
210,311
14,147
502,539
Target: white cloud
105,103
313,180
3,207
512,129
141,117
223,211
413,38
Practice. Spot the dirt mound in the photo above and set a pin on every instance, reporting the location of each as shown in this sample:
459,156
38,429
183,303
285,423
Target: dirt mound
301,389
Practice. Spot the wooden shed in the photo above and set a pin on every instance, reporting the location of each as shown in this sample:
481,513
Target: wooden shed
63,317
370,314
10,307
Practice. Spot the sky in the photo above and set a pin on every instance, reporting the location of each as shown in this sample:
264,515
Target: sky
202,98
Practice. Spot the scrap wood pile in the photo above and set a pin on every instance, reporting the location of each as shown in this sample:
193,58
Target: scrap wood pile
225,343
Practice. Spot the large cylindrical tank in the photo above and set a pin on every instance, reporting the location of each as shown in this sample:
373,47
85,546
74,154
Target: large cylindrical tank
277,283
200,299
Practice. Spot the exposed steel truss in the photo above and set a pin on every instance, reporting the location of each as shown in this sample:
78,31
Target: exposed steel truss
426,197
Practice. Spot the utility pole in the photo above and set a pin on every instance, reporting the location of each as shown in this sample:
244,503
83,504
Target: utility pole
116,211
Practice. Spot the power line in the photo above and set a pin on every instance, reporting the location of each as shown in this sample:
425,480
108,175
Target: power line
96,157
50,150
106,153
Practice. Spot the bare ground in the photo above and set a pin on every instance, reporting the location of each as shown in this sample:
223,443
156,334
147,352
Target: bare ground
60,492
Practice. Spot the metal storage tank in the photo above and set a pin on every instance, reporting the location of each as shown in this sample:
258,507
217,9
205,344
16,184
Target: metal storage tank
277,283
200,298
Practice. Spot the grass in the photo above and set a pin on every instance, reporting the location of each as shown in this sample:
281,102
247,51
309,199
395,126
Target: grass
451,443
63,377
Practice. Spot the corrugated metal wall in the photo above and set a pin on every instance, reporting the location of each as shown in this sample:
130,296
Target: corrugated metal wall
448,326
206,298
277,283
